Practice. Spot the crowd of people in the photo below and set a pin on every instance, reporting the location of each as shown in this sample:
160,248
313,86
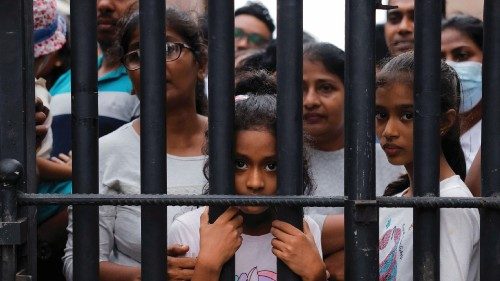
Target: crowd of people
197,249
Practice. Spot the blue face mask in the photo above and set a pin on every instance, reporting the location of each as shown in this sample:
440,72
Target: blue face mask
471,81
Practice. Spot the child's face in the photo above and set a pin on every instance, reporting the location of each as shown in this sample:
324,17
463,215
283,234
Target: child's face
255,166
323,102
394,122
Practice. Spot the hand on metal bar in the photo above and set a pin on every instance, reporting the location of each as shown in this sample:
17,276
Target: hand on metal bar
219,242
297,250
179,267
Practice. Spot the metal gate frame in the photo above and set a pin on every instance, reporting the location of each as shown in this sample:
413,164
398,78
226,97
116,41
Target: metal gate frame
17,177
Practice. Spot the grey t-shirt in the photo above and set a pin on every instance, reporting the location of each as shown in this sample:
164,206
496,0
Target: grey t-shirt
119,173
327,171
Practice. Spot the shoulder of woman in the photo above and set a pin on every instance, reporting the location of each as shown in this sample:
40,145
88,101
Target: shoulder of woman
120,143
122,135
454,187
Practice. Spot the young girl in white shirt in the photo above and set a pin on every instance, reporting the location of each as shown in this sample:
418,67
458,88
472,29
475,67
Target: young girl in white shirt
252,233
459,228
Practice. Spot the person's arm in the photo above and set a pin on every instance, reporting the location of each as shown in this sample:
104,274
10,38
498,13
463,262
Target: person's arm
473,178
218,243
335,265
333,243
107,216
332,234
52,170
178,267
109,271
298,251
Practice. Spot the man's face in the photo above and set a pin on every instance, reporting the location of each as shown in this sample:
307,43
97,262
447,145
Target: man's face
108,14
399,35
250,33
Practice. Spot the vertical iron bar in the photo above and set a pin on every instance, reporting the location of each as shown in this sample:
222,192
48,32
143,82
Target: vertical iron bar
17,108
84,138
29,150
221,106
28,260
17,126
427,144
289,127
361,246
11,172
153,137
490,162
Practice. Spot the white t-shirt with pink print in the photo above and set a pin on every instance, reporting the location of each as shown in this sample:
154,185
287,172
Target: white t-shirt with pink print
459,239
254,260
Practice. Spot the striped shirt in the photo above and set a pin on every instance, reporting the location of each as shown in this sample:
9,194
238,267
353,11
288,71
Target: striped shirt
116,107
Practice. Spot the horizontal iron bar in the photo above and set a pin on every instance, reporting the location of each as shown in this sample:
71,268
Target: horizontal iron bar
178,200
228,200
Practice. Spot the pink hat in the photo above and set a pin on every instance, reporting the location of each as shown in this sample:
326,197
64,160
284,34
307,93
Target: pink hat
49,28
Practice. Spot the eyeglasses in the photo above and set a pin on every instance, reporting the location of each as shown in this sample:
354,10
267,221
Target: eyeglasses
173,51
254,39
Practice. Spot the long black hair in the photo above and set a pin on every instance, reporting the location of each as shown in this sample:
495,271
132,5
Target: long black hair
184,25
400,69
328,54
255,109
467,25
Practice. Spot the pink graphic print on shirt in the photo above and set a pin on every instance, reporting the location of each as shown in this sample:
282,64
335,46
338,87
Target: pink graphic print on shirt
256,275
388,268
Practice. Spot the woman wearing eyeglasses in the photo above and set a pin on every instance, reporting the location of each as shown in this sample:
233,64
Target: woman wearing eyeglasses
119,155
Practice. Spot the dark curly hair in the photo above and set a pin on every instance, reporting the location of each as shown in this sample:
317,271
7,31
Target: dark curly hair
262,59
258,112
400,69
184,25
331,56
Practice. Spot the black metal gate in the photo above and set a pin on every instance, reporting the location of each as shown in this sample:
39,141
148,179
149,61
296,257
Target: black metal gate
17,198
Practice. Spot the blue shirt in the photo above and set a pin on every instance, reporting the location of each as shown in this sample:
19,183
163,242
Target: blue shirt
116,106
